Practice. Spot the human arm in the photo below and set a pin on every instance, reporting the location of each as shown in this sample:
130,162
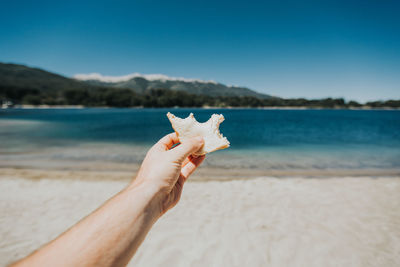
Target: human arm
111,235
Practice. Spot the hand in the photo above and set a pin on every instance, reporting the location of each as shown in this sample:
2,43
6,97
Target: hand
166,169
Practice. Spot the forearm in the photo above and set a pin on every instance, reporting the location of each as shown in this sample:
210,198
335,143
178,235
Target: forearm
107,237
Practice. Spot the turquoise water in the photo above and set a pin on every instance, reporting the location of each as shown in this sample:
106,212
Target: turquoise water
260,139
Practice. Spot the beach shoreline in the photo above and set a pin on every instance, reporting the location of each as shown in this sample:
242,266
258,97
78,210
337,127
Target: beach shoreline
124,172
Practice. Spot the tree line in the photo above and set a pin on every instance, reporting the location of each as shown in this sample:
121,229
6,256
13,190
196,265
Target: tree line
158,98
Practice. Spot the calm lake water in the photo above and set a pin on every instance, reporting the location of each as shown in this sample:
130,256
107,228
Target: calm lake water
260,139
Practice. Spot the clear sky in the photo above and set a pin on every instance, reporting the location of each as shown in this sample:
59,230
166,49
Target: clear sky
308,49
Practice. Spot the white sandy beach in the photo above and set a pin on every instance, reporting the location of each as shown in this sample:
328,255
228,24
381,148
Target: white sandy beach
258,222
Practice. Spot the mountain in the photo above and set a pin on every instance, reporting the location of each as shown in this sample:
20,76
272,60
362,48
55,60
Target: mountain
20,84
27,78
142,83
20,77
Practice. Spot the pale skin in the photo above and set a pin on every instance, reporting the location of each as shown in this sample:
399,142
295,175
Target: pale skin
111,235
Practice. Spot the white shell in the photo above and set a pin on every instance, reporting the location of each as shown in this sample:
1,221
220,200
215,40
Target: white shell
188,128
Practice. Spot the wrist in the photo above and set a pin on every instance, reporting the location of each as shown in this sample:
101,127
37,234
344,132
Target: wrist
152,196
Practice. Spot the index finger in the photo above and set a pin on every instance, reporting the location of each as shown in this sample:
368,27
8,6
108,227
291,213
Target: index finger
191,166
168,141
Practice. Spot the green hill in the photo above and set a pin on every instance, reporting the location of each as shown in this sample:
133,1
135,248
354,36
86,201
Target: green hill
19,83
23,84
20,76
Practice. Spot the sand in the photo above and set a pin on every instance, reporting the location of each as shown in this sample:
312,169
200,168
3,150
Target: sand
347,221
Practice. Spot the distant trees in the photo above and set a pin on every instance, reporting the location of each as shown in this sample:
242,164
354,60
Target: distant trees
32,100
354,104
383,104
76,96
120,97
16,93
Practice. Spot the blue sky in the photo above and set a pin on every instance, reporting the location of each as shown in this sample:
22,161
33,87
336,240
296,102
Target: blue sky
308,49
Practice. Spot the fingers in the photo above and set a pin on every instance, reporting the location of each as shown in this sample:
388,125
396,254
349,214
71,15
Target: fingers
186,160
185,149
167,141
191,166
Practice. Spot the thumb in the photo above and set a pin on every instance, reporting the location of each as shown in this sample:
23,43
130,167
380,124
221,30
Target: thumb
185,149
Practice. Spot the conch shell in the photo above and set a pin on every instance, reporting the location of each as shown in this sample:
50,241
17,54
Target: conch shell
188,128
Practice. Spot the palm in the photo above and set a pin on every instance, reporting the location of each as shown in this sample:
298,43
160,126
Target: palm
182,171
173,197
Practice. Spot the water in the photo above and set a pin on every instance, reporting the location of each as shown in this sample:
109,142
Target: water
284,140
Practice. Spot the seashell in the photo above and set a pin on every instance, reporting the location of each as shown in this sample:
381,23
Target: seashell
189,127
